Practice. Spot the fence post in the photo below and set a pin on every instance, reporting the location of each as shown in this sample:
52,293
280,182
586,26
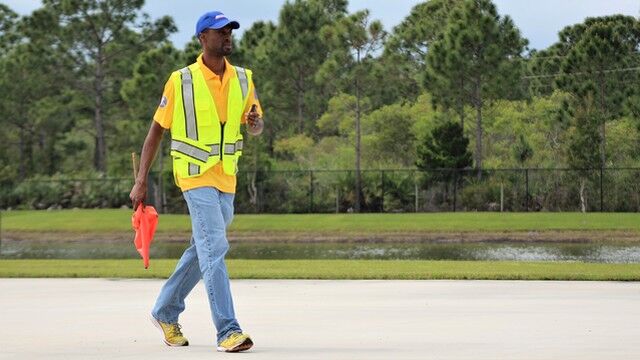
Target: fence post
501,197
161,195
337,199
382,190
258,194
415,189
151,190
310,191
526,184
601,189
455,189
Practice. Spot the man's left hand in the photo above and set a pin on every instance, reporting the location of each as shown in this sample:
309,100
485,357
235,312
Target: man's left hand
255,124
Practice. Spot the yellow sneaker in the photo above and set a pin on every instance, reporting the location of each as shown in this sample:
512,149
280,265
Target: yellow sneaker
171,332
236,342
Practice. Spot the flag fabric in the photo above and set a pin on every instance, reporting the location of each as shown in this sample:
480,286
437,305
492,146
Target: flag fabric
144,221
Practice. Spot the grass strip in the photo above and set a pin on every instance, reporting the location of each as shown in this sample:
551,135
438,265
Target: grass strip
330,269
106,220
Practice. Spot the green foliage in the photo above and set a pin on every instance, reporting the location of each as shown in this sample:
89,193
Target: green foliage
623,142
353,41
596,61
292,59
481,196
98,37
37,110
338,120
149,74
297,148
584,139
405,52
477,59
388,139
523,150
419,30
7,27
64,191
512,125
444,148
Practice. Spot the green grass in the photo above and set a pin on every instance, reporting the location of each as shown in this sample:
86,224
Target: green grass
330,269
119,220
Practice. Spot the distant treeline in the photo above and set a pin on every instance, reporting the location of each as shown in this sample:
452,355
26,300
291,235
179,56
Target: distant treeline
453,86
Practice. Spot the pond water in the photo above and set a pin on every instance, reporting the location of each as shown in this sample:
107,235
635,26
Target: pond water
586,252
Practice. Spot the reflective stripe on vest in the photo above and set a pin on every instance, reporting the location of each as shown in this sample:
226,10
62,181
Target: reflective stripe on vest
230,149
194,169
196,152
189,104
189,150
244,82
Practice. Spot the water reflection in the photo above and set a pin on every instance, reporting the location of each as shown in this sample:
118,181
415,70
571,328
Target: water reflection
606,253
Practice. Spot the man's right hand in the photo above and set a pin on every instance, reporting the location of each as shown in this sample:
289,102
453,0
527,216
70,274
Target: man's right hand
138,194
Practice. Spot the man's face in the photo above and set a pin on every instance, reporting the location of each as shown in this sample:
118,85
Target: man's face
217,41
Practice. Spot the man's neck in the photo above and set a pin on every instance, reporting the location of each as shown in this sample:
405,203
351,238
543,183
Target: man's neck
214,63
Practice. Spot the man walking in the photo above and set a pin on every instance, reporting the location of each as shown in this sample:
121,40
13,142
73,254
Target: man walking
204,105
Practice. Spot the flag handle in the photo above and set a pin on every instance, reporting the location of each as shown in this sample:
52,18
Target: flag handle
134,162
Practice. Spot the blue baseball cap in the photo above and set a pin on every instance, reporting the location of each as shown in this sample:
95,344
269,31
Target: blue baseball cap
214,20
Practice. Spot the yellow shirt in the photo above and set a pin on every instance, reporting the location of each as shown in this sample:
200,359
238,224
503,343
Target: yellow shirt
219,89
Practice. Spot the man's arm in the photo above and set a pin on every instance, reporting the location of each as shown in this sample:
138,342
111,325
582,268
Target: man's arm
149,149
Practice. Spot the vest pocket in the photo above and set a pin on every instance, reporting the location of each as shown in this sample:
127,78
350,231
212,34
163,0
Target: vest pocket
183,168
204,113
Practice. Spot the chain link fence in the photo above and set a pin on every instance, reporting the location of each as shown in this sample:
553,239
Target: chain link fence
392,191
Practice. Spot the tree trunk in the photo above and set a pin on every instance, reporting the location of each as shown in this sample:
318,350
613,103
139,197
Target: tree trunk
603,112
252,189
22,167
603,145
478,154
300,104
583,200
100,153
460,106
161,195
358,178
460,112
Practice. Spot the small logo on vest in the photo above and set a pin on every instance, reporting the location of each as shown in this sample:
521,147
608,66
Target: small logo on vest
163,102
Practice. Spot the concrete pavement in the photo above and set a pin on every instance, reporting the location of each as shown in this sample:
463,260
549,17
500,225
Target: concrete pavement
108,319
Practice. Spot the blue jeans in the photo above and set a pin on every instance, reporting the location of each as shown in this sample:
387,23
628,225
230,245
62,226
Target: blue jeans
211,213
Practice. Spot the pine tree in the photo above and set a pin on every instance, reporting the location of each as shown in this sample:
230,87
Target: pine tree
477,60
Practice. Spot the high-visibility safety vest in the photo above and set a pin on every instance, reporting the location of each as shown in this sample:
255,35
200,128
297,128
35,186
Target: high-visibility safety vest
198,139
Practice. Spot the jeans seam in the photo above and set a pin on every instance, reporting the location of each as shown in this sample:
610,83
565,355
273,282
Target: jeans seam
203,228
207,245
181,283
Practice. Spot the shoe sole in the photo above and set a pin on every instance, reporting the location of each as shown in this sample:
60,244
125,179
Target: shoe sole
246,345
155,322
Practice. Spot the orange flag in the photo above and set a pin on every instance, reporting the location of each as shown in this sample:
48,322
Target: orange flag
144,221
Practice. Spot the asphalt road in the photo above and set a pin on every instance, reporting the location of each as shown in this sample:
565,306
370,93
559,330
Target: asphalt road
108,319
